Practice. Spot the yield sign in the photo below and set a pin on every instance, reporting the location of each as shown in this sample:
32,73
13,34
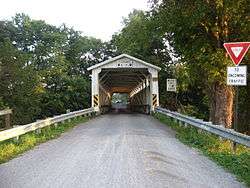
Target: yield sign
237,50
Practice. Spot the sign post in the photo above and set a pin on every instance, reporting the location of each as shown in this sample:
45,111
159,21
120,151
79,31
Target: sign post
236,76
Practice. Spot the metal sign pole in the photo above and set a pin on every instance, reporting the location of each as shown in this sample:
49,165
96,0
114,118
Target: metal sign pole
236,108
236,115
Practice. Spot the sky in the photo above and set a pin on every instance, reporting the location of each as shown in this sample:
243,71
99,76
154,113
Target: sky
97,18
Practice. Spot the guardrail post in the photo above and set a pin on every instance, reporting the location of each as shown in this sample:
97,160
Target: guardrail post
55,125
185,124
234,147
221,138
38,131
16,139
170,118
209,123
175,120
180,123
200,130
68,111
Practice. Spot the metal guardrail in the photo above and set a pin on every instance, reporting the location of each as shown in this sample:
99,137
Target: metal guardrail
219,130
20,130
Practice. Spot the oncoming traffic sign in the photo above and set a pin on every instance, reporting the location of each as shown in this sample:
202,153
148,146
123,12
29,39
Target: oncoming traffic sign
237,76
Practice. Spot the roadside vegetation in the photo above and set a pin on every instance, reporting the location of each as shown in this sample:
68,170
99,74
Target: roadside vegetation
215,148
12,148
43,68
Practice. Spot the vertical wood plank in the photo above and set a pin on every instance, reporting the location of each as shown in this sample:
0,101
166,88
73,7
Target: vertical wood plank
7,121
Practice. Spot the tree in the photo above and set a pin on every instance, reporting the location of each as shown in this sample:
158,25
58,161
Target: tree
18,83
141,38
197,31
44,67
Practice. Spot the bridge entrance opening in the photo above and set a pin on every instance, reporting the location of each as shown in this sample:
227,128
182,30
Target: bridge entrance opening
127,76
120,103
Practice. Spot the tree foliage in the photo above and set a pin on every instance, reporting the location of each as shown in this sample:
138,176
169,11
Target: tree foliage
197,31
141,38
43,68
191,33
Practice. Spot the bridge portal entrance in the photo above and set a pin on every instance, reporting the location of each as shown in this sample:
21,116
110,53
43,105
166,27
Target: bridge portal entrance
129,75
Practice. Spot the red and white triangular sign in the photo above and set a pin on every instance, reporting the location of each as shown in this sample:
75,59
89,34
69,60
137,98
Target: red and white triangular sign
237,50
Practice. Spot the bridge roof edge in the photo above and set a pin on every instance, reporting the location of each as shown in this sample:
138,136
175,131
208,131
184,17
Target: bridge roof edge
121,56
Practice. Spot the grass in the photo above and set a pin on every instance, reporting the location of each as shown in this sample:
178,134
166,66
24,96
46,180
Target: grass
215,148
11,148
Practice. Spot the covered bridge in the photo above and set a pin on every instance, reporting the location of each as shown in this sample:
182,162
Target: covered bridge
125,74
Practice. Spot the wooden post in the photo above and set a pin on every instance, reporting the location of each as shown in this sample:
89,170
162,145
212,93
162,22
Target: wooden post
6,113
7,121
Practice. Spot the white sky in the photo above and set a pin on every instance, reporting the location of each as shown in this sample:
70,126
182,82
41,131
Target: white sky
97,18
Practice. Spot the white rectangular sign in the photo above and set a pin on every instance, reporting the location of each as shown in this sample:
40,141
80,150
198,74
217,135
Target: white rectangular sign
171,85
237,76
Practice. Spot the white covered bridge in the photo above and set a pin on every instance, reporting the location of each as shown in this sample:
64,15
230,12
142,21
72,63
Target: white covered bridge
125,74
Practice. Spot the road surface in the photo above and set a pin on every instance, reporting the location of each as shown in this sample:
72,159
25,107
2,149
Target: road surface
115,151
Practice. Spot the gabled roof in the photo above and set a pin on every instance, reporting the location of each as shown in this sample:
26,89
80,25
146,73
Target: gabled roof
122,56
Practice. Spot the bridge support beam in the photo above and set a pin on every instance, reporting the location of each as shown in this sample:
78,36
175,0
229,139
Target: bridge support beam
95,89
154,90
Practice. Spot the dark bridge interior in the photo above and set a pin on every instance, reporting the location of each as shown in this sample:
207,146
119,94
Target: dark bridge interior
132,83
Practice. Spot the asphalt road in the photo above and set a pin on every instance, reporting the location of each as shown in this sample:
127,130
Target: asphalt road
121,151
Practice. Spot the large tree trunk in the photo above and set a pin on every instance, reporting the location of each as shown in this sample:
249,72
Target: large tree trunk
221,105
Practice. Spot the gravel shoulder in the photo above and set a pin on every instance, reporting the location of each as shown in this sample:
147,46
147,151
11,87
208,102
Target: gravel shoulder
115,150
